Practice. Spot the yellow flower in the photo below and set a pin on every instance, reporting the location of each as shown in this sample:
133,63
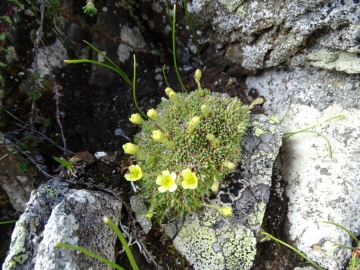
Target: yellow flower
166,181
130,148
135,173
152,113
226,211
136,119
190,180
157,135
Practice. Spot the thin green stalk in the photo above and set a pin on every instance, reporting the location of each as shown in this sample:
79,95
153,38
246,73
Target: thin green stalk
343,228
269,236
134,90
123,242
192,30
100,64
341,246
107,58
168,11
289,134
89,253
7,222
174,50
282,119
166,81
318,133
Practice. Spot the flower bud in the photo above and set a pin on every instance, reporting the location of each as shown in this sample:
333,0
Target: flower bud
168,90
172,95
136,119
157,135
198,74
226,211
194,122
149,215
215,186
130,148
205,109
229,165
210,137
152,113
257,102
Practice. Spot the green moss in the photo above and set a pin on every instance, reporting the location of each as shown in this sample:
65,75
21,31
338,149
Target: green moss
209,148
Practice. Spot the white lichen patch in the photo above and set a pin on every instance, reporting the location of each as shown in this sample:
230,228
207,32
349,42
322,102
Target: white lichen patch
101,58
131,36
11,55
51,57
338,60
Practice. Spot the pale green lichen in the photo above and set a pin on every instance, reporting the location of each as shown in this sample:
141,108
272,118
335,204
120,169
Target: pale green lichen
17,253
259,132
233,5
339,60
257,217
198,241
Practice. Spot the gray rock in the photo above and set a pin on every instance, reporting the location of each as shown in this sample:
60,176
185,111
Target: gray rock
319,187
56,213
260,34
16,184
211,241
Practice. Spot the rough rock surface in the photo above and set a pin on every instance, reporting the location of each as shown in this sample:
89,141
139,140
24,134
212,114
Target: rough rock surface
245,37
16,185
56,213
211,241
319,187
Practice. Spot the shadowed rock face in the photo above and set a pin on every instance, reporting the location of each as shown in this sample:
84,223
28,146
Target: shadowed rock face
56,213
261,34
211,241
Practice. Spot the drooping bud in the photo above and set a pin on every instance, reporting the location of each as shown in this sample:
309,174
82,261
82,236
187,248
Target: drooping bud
157,135
136,119
205,109
130,148
149,215
152,113
257,102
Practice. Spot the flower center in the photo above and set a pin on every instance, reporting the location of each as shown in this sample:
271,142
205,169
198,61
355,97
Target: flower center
167,181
